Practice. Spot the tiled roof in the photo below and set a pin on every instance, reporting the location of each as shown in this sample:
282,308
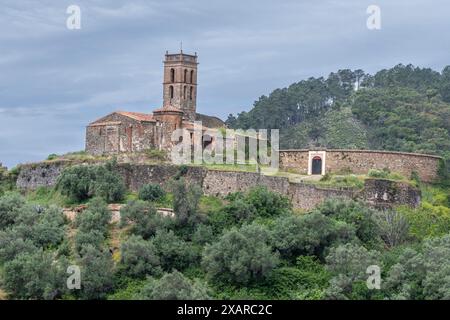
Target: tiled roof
137,116
106,123
168,108
190,126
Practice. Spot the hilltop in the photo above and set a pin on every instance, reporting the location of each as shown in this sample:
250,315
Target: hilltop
404,108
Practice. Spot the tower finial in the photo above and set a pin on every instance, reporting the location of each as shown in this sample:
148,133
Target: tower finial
181,46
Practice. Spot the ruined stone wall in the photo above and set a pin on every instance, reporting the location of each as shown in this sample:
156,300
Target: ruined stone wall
43,174
116,133
221,183
361,161
307,196
136,175
378,193
383,193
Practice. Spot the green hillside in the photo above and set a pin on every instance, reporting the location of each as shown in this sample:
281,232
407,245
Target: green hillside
405,108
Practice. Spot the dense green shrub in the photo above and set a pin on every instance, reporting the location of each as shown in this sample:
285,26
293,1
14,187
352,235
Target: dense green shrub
96,217
82,182
94,238
203,234
239,211
348,264
10,206
309,234
259,202
383,174
52,156
45,227
139,258
306,280
174,286
421,274
96,272
143,218
267,203
12,244
34,275
427,221
353,213
185,202
174,253
151,192
240,255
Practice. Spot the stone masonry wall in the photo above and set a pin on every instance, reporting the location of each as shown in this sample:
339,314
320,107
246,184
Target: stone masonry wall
378,193
361,161
122,135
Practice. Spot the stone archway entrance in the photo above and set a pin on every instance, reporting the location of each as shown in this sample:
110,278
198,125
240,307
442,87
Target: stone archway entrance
316,162
316,165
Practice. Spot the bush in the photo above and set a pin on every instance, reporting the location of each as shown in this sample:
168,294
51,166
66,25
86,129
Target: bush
10,206
307,280
185,202
34,275
82,182
348,264
151,192
156,154
240,211
427,221
267,203
143,218
393,227
353,213
174,253
308,234
203,234
43,226
50,230
421,274
96,272
12,244
95,238
174,286
139,258
240,256
52,156
382,174
385,174
96,217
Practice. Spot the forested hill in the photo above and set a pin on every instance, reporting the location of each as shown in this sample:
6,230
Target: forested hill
405,108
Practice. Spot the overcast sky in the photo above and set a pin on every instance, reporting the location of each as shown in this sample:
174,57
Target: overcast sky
54,81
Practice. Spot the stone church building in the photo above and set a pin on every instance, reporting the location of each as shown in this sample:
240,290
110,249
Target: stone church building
124,131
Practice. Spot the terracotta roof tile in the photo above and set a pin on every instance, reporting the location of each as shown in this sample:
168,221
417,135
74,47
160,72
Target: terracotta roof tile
137,116
106,123
168,108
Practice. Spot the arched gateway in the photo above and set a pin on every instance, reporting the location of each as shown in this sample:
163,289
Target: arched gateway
316,165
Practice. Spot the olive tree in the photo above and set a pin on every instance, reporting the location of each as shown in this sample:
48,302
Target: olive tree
139,258
240,255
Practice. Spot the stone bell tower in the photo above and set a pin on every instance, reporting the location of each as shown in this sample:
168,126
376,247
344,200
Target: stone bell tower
180,83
